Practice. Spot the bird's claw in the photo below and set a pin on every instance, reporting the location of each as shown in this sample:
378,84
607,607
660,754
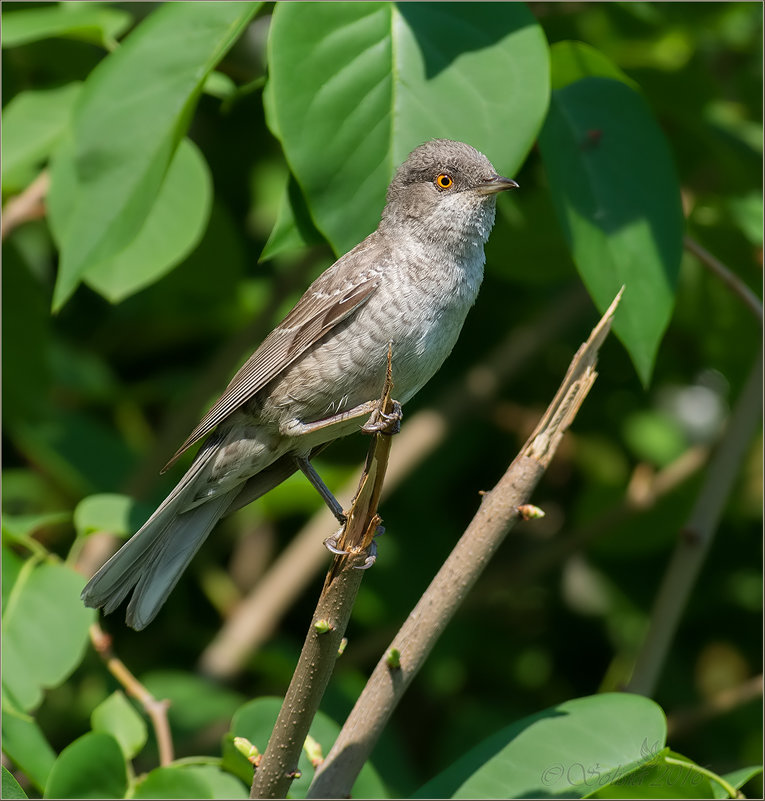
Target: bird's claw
382,423
331,545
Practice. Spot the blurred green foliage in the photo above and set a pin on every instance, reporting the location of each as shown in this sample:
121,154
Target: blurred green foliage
99,395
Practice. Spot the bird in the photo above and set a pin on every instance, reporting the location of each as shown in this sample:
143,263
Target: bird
319,373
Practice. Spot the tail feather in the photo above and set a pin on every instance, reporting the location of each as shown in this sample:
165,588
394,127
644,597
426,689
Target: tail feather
158,571
153,559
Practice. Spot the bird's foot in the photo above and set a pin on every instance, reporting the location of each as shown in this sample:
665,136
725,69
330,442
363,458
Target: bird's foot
331,544
382,423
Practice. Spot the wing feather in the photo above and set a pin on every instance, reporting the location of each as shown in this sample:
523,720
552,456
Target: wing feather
314,315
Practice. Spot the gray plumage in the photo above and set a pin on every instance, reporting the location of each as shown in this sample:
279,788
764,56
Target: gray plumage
412,282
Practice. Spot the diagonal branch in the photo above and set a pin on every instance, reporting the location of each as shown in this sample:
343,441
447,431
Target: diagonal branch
695,539
497,514
278,766
729,278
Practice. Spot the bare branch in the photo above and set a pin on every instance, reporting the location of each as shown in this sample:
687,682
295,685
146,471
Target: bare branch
729,278
278,765
29,205
696,537
688,720
495,517
156,710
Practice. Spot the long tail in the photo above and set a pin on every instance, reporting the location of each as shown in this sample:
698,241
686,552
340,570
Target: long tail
152,560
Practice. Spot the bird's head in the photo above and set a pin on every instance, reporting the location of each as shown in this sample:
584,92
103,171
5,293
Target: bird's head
444,191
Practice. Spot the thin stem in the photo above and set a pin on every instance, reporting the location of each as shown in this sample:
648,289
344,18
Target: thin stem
711,775
156,710
696,537
729,278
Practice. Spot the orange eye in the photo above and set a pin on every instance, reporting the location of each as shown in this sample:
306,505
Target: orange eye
444,181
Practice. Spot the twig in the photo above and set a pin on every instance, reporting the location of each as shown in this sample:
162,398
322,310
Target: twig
720,703
557,551
495,517
728,277
258,614
26,206
696,537
156,710
278,765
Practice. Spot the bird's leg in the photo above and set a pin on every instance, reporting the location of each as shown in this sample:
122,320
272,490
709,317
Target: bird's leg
310,473
296,429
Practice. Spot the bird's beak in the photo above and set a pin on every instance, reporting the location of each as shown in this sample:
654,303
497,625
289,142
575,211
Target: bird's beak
496,184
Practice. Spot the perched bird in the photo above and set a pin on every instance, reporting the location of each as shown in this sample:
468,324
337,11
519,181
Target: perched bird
319,373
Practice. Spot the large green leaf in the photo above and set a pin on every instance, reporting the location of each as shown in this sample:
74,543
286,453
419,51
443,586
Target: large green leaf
90,22
127,122
354,87
90,767
617,198
25,744
45,631
174,226
566,751
33,123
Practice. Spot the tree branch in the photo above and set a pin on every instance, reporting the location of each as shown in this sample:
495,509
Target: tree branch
278,765
495,517
696,537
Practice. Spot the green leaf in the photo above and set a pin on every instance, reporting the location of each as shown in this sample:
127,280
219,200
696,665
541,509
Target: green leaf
667,775
738,778
117,716
566,751
171,231
89,22
11,788
617,199
294,229
90,767
572,61
255,721
25,744
190,781
33,123
117,514
132,113
354,87
45,632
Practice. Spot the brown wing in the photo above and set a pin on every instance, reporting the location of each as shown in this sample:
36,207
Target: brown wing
314,315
